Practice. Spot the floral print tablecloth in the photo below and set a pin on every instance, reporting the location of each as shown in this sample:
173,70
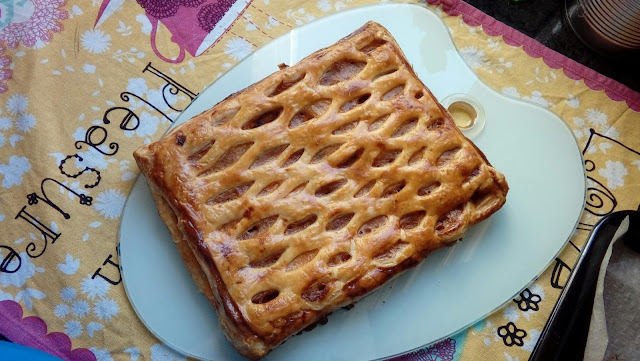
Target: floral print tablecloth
85,82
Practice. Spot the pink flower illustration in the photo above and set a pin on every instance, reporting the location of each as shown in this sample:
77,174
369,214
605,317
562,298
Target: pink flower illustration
5,72
40,26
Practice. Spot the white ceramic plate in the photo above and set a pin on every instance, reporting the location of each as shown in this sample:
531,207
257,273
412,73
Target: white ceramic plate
450,290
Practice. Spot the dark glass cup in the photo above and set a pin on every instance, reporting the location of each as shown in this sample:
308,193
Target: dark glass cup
610,27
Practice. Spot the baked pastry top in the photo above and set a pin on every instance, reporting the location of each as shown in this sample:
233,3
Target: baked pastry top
314,186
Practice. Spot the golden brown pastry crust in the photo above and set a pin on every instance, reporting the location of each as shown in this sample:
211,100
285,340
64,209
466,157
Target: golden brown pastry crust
314,186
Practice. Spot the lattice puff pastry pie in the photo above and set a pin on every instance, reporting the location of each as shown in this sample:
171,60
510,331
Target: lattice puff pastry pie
309,189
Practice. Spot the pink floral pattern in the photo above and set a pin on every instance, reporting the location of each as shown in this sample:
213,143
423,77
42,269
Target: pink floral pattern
5,71
44,21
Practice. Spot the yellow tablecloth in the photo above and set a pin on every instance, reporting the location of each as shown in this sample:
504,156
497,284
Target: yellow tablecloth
65,174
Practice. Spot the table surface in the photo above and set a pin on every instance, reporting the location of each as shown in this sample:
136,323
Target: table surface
94,65
545,21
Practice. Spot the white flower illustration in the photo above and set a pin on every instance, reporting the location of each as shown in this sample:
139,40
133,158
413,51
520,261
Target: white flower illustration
61,310
511,313
238,48
538,290
95,41
573,102
26,122
614,172
604,146
596,117
134,352
148,126
636,163
17,104
272,22
493,44
537,98
93,327
511,91
40,44
92,159
20,277
145,24
80,308
79,134
5,296
70,266
324,5
139,87
89,68
1,139
110,203
509,358
5,123
15,139
160,352
76,10
105,309
96,287
73,328
27,294
473,56
612,132
102,354
530,343
154,96
579,122
68,294
14,170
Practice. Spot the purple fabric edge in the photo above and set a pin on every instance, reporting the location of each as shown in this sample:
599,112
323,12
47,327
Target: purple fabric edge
32,332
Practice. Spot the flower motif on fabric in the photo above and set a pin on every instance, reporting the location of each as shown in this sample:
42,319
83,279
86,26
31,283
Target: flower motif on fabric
5,69
473,56
87,309
94,287
160,352
14,171
105,309
511,334
161,9
614,172
32,22
73,328
17,104
238,48
110,203
102,354
528,301
96,41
